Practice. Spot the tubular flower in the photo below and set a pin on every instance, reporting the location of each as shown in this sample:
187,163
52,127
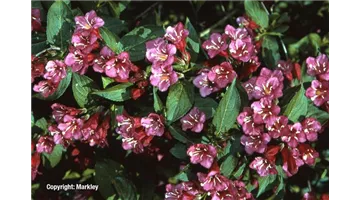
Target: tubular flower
269,84
263,166
194,120
318,66
311,128
163,78
241,50
318,92
154,124
215,45
296,135
71,127
45,144
279,127
246,120
159,53
177,35
88,22
213,181
265,111
203,154
204,84
55,71
308,154
256,143
46,87
222,74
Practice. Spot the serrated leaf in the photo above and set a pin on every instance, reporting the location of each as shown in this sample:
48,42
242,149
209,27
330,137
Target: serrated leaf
179,100
82,86
296,105
111,40
206,105
55,157
264,183
257,13
179,134
228,109
228,166
116,93
158,105
239,171
270,51
193,41
41,123
63,85
179,151
317,113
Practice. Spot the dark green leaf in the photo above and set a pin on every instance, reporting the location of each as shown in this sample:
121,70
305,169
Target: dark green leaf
158,105
239,171
82,86
106,81
179,151
105,173
32,119
115,25
77,12
270,51
179,101
308,45
318,114
63,85
224,151
55,157
134,41
228,109
59,24
257,13
125,188
37,47
206,105
294,103
42,123
117,93
281,29
264,183
228,166
115,110
110,40
193,41
179,134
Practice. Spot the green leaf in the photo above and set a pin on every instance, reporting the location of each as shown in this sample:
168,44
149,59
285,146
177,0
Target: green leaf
63,85
110,39
82,86
38,43
264,183
281,29
59,24
308,45
32,119
270,51
318,114
179,134
179,151
228,109
228,166
115,110
77,12
105,173
117,93
239,171
294,103
106,81
71,175
206,105
115,25
125,188
42,123
179,101
158,105
55,157
134,41
257,13
225,151
193,41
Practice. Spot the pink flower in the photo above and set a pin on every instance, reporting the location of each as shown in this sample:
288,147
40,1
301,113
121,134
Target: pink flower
45,144
257,143
125,124
203,154
159,53
246,120
311,128
119,67
93,133
55,71
291,161
35,19
295,136
222,74
89,21
154,124
263,166
269,84
265,111
71,127
279,127
318,67
59,111
100,62
308,154
37,68
213,181
230,194
243,194
177,35
318,92
58,137
85,41
240,50
249,87
194,120
286,67
163,78
239,33
46,87
204,84
78,61
215,44
182,191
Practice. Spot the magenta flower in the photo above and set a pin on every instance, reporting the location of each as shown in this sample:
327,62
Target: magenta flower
154,124
269,84
239,33
311,128
240,50
296,135
84,41
249,87
163,78
182,191
204,84
285,66
89,21
55,71
159,53
59,111
35,19
177,35
229,194
45,144
222,74
279,127
246,120
318,92
257,143
263,166
95,133
78,61
213,181
194,120
308,154
37,68
215,44
125,125
71,127
296,162
203,154
318,66
119,67
46,87
265,111
105,55
243,194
